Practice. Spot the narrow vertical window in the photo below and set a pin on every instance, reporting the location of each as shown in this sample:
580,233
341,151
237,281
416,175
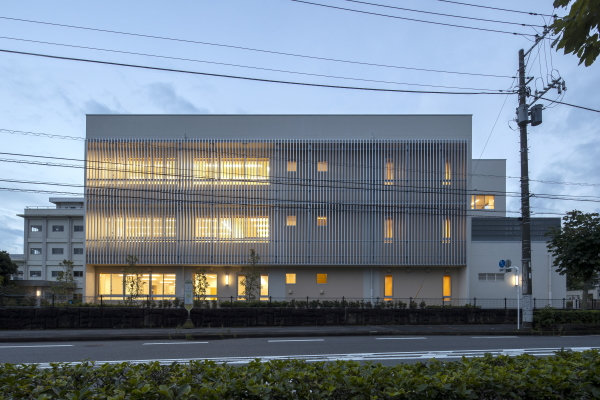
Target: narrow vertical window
388,230
292,166
241,290
264,287
322,221
322,166
447,287
389,286
447,230
447,173
389,172
291,220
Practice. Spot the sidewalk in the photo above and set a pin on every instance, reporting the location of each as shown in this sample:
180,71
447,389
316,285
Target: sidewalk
61,335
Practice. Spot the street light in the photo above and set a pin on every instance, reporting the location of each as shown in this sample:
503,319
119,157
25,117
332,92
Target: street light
518,294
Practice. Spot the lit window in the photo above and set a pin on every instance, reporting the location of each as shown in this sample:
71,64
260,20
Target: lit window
235,228
447,231
143,169
291,220
292,166
241,289
211,289
322,166
58,228
321,278
389,172
482,202
36,228
290,279
58,250
447,287
35,251
110,284
388,286
264,287
447,173
150,227
322,221
232,171
78,250
388,234
78,228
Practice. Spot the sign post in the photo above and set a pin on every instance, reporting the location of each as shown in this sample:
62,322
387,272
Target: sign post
188,302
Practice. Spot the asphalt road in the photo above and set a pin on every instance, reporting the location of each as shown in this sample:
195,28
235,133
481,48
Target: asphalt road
387,350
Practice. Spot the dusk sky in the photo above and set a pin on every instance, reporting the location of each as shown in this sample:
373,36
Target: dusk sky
247,39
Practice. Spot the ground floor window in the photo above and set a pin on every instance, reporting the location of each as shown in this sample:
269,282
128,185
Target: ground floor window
114,285
211,288
447,287
264,287
388,286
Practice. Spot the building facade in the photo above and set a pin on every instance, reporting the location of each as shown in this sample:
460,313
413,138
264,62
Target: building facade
51,234
360,206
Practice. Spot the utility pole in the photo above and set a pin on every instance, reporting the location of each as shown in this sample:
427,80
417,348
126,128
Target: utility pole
523,113
523,120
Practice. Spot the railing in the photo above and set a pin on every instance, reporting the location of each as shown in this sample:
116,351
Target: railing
270,301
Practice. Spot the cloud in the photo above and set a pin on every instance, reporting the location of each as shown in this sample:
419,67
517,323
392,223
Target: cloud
95,107
164,96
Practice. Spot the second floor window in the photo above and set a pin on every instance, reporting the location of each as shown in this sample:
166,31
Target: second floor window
388,230
35,251
322,221
58,228
78,250
234,228
389,172
231,171
482,202
322,166
58,250
78,228
36,228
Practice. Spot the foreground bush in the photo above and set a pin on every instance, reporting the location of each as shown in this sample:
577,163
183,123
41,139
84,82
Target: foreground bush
563,376
550,316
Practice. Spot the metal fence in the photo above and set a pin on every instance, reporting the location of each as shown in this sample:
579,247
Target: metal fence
297,302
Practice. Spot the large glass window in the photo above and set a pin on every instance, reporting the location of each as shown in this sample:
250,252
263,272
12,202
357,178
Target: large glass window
144,227
233,228
482,202
161,284
232,171
212,289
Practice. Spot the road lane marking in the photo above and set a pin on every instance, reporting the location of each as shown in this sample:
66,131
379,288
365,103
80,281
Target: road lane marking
297,340
494,337
390,356
149,344
41,345
399,338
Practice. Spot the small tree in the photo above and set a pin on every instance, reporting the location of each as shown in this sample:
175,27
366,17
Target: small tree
65,284
251,281
200,283
132,279
576,248
7,267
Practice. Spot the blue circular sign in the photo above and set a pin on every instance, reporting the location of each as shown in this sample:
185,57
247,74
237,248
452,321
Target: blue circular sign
502,263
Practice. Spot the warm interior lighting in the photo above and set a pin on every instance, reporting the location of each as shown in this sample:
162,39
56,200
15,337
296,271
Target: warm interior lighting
388,234
292,166
234,228
322,221
38,293
290,279
389,172
226,279
517,280
321,278
447,287
447,231
388,286
447,173
322,166
482,202
264,286
291,220
231,171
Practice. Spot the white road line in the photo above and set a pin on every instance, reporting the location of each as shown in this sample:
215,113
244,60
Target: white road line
41,345
410,355
399,338
494,337
297,340
150,344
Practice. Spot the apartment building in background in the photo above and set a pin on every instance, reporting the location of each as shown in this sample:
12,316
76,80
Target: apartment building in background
51,234
360,206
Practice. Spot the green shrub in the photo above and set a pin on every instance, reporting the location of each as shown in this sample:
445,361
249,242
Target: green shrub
566,375
550,316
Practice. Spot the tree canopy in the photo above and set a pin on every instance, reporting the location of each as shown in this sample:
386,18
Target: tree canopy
7,267
576,247
578,31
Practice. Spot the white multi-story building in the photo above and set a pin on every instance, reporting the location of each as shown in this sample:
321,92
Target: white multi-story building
52,234
360,206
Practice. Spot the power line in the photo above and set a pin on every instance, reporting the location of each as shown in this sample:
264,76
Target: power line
243,66
494,8
412,19
254,49
243,77
444,15
571,105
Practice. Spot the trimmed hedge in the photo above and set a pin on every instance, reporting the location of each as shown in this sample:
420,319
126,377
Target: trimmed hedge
547,316
565,375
